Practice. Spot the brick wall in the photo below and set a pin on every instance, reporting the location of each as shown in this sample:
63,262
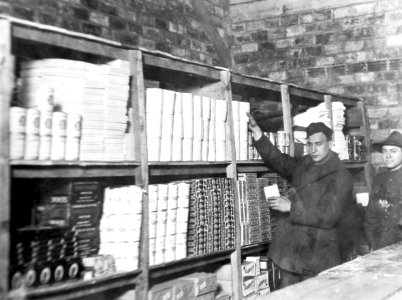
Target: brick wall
353,49
172,26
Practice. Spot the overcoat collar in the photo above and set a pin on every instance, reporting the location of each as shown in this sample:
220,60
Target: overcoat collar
314,172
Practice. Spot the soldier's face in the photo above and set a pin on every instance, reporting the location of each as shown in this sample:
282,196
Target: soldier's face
392,157
318,146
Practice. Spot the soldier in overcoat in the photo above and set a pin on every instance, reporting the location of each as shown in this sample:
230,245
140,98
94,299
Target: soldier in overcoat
384,211
306,241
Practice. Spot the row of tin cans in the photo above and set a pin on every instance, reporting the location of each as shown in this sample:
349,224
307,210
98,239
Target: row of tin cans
44,135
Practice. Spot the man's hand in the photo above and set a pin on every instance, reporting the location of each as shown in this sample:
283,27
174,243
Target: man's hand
253,127
279,203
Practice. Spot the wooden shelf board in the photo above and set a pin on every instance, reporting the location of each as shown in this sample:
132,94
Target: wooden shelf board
80,43
256,166
350,164
187,168
255,82
79,288
249,249
188,264
181,66
64,169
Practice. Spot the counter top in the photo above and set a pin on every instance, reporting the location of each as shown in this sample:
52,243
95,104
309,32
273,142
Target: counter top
375,276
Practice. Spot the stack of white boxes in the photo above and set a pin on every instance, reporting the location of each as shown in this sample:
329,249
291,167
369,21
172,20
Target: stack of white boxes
168,218
220,129
177,140
198,128
206,116
168,109
154,108
188,126
120,226
115,109
212,132
244,108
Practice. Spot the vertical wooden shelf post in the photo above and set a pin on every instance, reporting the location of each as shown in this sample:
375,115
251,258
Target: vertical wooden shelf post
6,88
142,179
235,257
287,117
368,171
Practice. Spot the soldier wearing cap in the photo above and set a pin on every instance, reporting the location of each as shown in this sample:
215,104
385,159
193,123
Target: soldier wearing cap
305,240
384,211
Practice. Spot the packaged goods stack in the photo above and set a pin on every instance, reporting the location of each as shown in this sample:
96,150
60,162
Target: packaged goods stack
220,130
206,116
282,186
211,222
182,219
154,107
240,128
162,215
42,255
120,226
255,281
320,113
212,132
198,135
74,205
340,144
265,212
129,140
197,286
91,106
249,208
178,129
44,135
190,127
244,108
236,126
98,93
168,108
168,221
115,109
17,132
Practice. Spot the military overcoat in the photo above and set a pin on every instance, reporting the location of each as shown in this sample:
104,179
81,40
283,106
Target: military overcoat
384,210
306,239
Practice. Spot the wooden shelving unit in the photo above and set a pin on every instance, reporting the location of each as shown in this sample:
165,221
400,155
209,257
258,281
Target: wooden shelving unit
26,39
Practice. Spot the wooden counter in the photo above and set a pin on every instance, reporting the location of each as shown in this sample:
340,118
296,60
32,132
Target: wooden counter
377,275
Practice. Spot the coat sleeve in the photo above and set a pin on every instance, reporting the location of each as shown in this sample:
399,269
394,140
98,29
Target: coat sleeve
329,207
282,163
372,223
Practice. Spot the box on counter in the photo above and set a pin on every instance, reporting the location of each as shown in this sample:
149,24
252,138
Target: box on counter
256,261
248,285
248,268
182,289
261,281
161,291
203,282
